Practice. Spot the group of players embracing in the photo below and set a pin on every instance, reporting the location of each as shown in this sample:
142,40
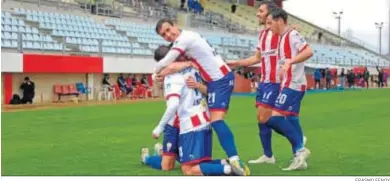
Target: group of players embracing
198,85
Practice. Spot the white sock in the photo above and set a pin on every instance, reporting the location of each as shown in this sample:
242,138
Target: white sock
234,158
227,169
224,162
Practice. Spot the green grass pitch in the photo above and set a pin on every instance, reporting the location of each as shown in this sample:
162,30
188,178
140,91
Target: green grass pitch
348,134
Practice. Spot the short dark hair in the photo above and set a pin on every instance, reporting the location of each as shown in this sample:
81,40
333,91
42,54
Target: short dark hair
161,22
160,52
270,5
279,14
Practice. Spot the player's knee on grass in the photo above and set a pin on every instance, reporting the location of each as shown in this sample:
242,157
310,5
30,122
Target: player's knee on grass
168,163
191,170
217,115
263,114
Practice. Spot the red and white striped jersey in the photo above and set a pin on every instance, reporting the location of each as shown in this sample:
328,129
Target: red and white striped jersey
174,122
211,66
268,44
290,44
192,112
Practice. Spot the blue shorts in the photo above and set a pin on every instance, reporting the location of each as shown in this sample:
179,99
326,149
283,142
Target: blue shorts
267,94
219,92
195,146
171,141
289,101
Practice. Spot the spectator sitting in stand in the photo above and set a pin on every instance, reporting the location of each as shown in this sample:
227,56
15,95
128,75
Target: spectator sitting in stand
106,83
123,85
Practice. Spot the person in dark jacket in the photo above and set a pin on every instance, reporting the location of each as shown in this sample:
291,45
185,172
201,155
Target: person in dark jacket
342,77
350,78
328,77
123,85
366,76
317,79
28,88
380,76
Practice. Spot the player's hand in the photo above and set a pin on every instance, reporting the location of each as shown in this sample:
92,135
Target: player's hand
286,66
155,136
191,83
159,78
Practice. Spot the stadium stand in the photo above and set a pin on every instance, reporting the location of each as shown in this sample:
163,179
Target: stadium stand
124,37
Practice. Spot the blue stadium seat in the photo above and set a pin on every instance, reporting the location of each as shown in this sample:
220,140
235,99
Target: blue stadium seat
27,44
6,43
14,36
36,37
37,45
14,44
56,46
28,37
6,35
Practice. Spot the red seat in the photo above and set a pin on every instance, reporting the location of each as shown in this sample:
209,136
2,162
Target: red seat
72,89
65,89
57,89
117,90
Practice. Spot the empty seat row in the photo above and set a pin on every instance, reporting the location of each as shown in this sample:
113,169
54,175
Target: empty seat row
95,49
135,29
143,36
76,28
42,46
9,43
22,29
9,36
90,35
154,41
31,45
64,22
50,14
5,14
11,21
37,37
231,56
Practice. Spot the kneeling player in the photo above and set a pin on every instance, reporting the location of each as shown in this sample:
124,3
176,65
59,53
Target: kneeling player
195,139
165,160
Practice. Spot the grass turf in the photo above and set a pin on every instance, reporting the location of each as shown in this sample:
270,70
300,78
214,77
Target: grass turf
348,134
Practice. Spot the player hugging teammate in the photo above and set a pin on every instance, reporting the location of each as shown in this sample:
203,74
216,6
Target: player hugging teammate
282,52
191,141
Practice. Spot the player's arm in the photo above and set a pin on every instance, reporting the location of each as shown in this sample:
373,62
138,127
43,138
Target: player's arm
202,88
255,59
169,114
172,92
175,67
305,52
169,58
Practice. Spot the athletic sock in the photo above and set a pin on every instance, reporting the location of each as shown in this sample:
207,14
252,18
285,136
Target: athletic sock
294,120
265,134
280,124
225,137
154,162
209,169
